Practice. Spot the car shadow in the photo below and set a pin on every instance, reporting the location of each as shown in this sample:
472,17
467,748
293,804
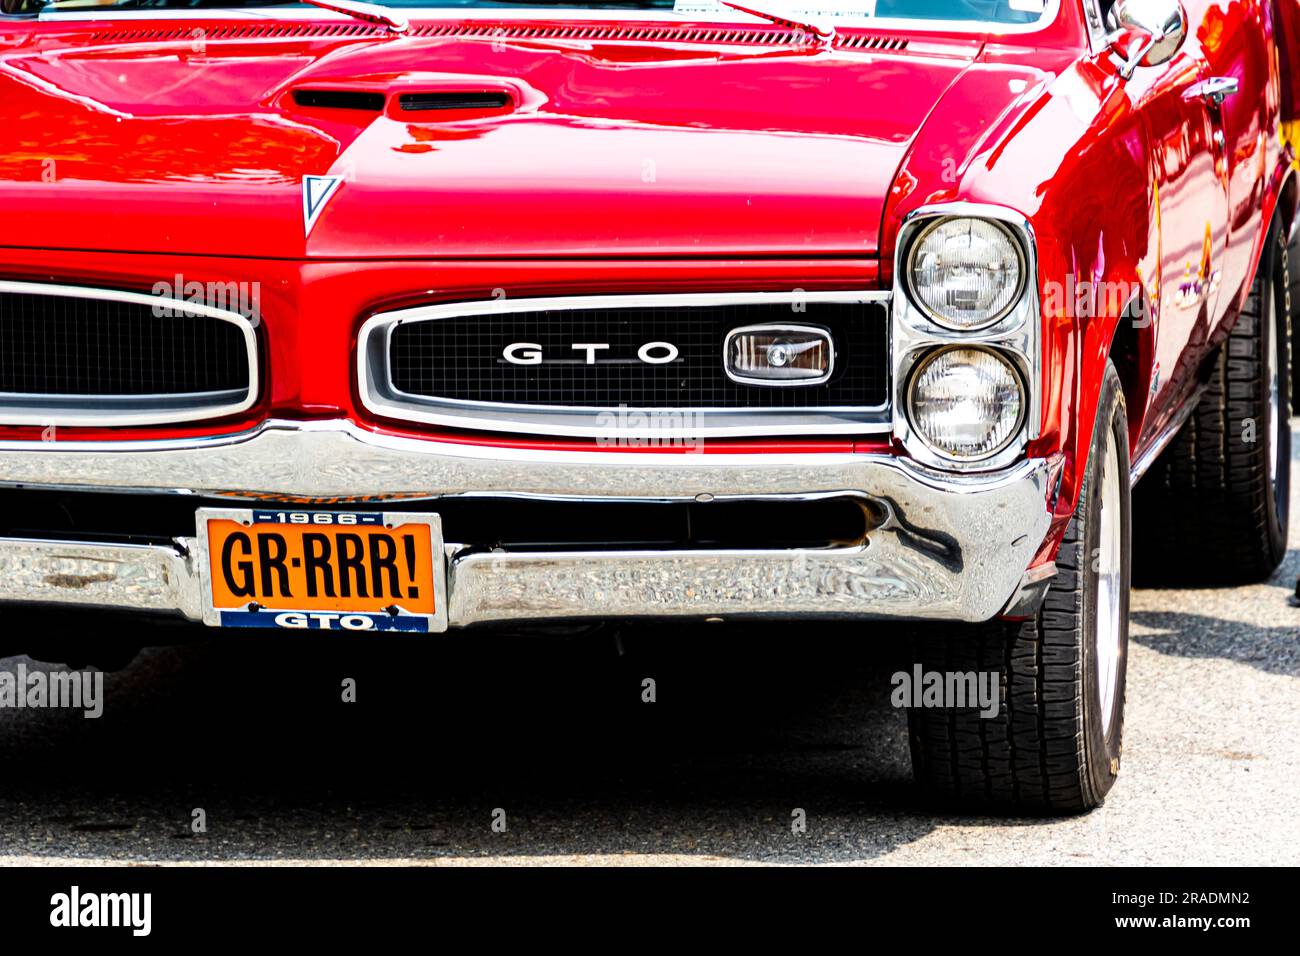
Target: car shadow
550,734
1274,650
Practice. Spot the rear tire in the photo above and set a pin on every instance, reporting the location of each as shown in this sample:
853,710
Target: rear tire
1214,507
1054,744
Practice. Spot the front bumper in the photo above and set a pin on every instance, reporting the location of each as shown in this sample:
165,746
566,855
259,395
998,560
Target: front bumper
947,547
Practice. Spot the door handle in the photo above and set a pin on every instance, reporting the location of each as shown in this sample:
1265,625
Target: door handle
1215,89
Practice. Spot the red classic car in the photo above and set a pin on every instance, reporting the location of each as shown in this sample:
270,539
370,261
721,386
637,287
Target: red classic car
398,318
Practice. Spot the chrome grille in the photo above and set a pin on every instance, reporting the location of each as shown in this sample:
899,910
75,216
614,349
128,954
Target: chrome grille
447,363
461,358
89,356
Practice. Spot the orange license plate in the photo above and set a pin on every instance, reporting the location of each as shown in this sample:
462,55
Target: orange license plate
322,570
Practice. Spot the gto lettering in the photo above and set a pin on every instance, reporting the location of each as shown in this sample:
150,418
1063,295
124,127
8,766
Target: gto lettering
522,353
531,353
669,353
591,348
324,622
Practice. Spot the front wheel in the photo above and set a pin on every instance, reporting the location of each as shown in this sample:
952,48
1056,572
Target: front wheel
1053,744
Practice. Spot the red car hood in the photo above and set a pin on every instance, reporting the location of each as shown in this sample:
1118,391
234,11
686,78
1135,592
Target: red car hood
195,145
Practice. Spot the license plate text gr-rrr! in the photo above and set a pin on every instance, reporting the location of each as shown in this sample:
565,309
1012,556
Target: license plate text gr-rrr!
322,570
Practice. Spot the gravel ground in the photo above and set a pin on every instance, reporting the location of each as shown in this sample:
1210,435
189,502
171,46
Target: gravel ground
549,733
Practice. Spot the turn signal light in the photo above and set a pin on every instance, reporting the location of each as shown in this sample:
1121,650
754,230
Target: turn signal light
779,355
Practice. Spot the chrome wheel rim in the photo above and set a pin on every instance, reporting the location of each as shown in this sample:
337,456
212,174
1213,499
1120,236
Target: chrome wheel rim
1110,582
1274,401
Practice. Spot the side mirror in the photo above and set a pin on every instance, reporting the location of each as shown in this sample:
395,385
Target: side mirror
1145,32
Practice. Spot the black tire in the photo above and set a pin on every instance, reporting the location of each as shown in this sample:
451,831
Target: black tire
1046,750
1211,511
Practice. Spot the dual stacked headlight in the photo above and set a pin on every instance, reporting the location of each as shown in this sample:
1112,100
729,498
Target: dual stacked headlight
965,400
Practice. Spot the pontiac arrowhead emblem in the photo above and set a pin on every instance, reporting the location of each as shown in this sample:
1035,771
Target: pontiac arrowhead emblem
316,192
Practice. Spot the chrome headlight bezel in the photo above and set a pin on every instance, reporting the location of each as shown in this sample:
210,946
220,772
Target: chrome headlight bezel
1015,335
917,241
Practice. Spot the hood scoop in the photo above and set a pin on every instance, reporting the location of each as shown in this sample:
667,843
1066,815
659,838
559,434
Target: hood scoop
417,97
659,33
340,100
419,102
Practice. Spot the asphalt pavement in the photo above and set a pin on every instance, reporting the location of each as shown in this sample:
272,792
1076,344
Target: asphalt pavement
498,748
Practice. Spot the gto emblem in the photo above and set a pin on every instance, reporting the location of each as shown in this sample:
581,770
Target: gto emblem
530,353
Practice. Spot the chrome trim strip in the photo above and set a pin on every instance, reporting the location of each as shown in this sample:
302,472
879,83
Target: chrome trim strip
1172,427
144,409
43,405
381,397
947,548
338,459
1096,27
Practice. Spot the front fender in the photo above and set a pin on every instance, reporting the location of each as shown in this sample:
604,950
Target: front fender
1068,153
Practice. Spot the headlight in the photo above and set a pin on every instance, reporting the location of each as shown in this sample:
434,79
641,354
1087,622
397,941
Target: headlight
965,273
966,403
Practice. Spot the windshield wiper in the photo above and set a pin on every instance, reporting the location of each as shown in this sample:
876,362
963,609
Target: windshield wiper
822,33
370,12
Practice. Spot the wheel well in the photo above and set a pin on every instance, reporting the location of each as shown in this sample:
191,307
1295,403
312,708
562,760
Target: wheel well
1132,352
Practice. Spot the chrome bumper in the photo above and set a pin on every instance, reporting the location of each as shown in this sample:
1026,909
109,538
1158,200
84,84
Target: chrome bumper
950,547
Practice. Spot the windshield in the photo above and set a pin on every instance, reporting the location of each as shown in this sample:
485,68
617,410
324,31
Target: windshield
1010,12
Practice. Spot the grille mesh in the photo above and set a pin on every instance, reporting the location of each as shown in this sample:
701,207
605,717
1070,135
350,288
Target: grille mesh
461,357
62,345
